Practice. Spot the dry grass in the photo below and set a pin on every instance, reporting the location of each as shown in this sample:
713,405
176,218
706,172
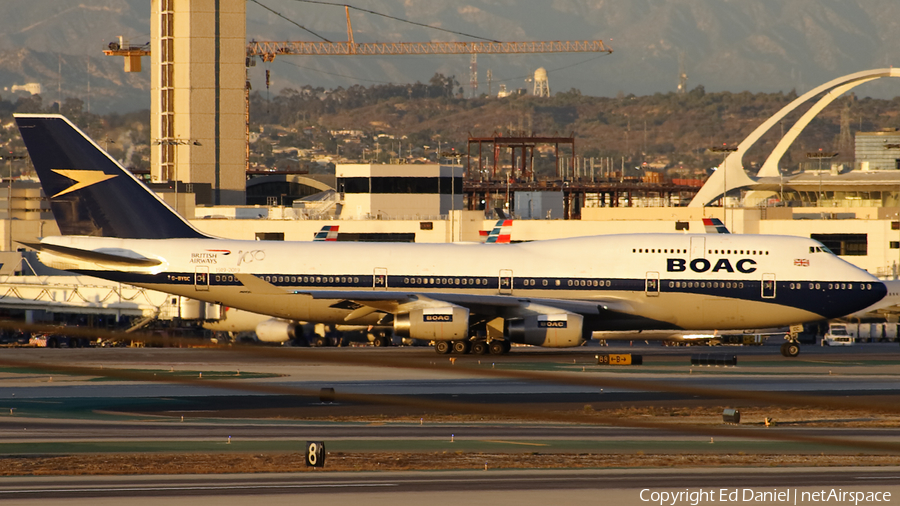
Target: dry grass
132,464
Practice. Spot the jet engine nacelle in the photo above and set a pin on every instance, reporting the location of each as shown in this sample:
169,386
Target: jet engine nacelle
448,323
561,330
277,331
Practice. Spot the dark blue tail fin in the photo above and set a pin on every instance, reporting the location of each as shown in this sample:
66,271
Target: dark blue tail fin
91,194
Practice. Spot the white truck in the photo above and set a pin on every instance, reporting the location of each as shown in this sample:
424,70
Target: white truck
838,335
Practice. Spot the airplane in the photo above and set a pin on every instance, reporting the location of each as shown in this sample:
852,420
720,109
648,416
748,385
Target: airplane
462,297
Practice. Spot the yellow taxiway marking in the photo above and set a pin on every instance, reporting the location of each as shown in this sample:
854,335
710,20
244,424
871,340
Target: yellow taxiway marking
513,442
830,362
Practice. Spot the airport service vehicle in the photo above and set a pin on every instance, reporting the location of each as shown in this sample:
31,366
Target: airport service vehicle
837,335
463,297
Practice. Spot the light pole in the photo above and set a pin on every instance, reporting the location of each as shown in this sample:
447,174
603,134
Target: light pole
725,150
820,155
897,214
174,142
174,175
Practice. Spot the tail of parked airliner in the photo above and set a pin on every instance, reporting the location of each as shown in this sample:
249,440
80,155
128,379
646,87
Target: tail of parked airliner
329,233
715,226
89,192
500,234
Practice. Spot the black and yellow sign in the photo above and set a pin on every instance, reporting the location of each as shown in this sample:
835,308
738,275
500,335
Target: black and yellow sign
619,359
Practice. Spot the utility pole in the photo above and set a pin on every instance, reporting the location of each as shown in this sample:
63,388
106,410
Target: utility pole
9,221
725,150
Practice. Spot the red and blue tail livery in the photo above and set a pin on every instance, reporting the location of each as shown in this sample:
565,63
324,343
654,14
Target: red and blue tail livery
715,226
329,233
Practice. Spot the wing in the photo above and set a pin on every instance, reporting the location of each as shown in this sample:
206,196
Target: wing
485,307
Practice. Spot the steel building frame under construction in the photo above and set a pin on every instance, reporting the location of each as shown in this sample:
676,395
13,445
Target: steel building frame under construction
526,144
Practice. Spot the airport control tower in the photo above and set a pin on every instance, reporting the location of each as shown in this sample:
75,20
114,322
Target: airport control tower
197,95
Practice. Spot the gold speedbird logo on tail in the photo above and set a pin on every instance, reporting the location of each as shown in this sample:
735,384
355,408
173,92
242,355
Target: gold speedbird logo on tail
82,178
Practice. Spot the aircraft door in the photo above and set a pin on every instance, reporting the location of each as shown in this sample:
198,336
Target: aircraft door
506,281
380,279
651,286
768,286
698,247
201,279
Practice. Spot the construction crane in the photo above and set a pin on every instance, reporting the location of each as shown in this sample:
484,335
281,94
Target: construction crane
267,51
131,53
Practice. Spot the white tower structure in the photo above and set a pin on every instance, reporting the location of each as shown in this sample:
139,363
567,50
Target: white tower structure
197,95
541,83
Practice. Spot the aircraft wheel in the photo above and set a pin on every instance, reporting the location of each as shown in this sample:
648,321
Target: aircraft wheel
792,349
442,347
497,347
321,342
52,342
507,346
479,348
461,347
381,341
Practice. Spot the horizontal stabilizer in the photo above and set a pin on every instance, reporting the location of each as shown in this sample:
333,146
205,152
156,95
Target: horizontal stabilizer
123,257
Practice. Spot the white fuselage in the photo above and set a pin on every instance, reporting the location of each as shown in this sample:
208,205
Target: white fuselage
658,280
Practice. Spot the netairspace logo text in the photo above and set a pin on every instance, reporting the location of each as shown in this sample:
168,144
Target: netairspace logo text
704,496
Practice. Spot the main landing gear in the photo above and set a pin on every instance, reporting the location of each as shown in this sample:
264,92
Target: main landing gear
475,347
790,348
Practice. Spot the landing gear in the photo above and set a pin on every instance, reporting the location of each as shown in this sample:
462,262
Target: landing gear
461,347
790,349
479,347
381,341
442,347
499,347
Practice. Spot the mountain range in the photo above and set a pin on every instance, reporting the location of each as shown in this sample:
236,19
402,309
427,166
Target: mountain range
733,45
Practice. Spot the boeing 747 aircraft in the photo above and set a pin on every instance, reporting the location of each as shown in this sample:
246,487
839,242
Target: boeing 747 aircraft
463,297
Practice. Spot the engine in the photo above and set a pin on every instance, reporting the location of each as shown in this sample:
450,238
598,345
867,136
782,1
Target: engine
277,331
560,330
447,323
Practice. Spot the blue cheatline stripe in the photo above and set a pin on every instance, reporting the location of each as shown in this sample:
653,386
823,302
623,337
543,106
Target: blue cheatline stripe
823,298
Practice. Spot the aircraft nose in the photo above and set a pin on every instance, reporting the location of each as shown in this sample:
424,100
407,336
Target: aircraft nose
879,290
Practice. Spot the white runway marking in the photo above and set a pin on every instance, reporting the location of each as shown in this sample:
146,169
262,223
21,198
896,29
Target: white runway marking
190,488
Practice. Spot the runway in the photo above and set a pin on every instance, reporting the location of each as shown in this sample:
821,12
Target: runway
53,413
614,486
